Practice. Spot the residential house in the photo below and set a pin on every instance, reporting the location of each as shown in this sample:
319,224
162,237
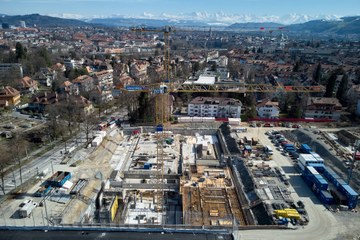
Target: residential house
125,80
100,96
59,67
45,76
28,85
9,96
267,109
41,100
85,83
138,71
73,64
323,108
215,107
82,104
69,88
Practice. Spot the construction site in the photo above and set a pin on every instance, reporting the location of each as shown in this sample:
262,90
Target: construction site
191,186
128,181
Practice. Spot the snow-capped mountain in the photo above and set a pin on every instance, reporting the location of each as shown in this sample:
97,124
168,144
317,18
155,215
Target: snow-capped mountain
218,18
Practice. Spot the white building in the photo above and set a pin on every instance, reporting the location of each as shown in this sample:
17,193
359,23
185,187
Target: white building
22,24
268,109
214,107
104,78
72,64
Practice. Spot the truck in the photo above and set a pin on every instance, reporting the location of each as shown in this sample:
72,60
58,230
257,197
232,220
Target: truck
27,209
304,148
268,150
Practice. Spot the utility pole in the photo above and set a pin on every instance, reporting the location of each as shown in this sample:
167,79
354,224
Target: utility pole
14,178
356,150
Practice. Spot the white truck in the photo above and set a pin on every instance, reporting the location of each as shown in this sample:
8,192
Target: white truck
27,209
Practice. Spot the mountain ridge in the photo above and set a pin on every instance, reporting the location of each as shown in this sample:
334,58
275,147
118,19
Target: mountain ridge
344,25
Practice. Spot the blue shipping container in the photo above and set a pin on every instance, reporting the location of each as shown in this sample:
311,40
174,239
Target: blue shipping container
348,192
326,197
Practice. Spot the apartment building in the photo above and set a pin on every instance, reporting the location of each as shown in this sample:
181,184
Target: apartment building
104,78
215,107
323,108
12,70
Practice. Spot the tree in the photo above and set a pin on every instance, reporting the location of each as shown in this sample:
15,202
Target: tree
330,85
213,67
4,162
341,92
234,68
54,127
296,67
87,123
143,104
195,67
20,51
317,73
19,147
69,110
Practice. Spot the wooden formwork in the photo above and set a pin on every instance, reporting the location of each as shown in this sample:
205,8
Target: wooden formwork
211,206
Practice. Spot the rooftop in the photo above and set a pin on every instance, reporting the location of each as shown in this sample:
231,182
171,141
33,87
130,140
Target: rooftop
216,101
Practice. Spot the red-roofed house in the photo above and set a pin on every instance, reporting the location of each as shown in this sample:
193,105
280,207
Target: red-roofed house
323,108
267,109
28,85
9,96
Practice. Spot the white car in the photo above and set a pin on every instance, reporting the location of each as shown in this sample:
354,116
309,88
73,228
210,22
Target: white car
25,202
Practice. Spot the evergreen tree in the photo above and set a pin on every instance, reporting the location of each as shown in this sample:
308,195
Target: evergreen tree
330,85
341,92
20,51
317,73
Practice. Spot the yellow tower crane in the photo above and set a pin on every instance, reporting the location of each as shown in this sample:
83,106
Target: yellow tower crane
161,114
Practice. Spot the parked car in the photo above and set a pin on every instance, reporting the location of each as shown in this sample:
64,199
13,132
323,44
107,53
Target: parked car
285,154
25,202
268,125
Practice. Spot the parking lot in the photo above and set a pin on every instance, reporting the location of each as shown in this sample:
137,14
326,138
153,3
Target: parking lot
16,122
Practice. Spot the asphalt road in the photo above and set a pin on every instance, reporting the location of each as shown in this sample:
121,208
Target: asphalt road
39,164
89,235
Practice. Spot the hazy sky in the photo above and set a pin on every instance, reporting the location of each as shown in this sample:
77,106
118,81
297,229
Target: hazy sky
156,7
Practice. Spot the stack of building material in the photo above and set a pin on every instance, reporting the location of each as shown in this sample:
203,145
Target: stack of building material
287,213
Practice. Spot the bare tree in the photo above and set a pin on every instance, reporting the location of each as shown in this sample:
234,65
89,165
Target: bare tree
54,124
69,109
87,123
19,147
4,162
